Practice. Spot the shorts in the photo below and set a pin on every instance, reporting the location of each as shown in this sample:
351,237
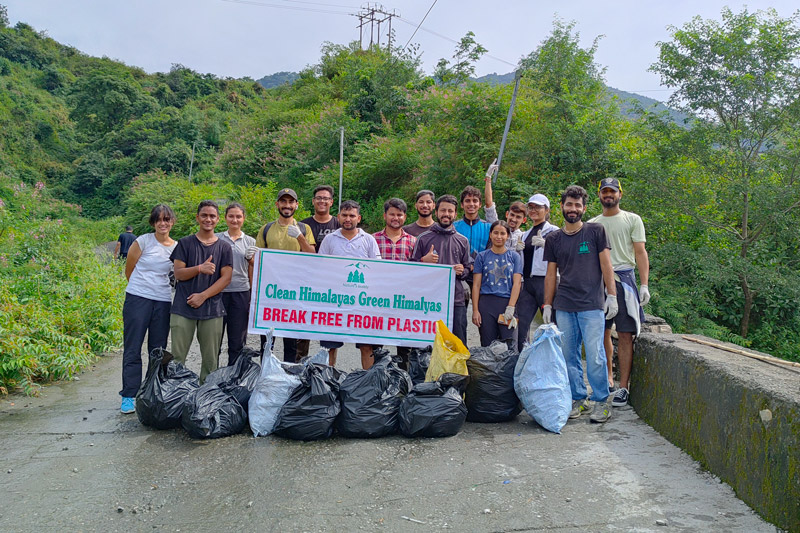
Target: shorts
624,322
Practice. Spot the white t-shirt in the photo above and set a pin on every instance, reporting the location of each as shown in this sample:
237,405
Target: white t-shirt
150,277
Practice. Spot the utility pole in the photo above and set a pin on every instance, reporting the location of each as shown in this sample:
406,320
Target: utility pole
341,165
191,163
373,15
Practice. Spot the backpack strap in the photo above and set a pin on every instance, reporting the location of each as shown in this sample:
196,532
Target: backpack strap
300,225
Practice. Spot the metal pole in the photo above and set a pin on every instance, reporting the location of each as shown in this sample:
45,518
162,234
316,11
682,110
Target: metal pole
341,164
191,164
517,77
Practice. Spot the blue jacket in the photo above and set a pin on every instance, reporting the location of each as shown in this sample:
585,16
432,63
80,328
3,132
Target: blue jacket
477,233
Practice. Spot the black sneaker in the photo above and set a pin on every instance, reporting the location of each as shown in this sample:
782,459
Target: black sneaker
620,399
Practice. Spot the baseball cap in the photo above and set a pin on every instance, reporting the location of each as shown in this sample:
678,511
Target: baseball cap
539,199
287,192
609,183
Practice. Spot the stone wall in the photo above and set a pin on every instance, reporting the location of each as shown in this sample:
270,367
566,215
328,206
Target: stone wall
739,417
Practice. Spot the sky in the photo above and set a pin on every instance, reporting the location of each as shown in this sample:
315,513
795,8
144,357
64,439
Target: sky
253,38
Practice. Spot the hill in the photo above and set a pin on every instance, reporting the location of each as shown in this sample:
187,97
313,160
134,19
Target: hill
629,103
279,78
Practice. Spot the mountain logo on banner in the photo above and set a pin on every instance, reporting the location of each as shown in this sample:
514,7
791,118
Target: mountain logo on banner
356,276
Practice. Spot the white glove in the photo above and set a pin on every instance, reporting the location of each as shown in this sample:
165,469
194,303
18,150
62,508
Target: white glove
520,245
612,307
293,231
547,314
644,295
537,240
509,314
512,323
492,170
251,252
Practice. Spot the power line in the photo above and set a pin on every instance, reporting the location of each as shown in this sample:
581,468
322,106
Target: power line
418,25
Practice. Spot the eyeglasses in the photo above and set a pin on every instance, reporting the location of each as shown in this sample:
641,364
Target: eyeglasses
323,198
535,207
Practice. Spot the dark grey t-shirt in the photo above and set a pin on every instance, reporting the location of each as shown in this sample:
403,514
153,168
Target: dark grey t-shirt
578,258
193,252
415,229
321,230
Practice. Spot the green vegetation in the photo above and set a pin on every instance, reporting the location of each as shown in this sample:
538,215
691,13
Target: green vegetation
719,199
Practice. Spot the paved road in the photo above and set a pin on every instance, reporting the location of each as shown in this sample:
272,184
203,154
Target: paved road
71,462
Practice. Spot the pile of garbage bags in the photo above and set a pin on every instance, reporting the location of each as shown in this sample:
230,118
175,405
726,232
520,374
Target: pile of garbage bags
447,384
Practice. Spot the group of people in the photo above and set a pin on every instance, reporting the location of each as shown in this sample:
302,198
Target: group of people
585,271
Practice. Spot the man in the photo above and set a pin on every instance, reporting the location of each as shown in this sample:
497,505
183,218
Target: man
534,267
424,203
286,233
515,216
471,226
322,222
124,242
350,241
580,253
444,245
203,266
625,231
396,244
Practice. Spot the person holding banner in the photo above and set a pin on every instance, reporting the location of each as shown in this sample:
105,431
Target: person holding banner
286,233
424,203
203,267
497,277
350,241
396,244
444,245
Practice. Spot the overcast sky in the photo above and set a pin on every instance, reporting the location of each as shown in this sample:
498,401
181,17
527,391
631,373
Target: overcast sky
258,37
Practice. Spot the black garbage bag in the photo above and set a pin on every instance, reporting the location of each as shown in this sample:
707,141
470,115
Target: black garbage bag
434,409
159,402
240,377
212,411
419,359
490,395
312,408
371,398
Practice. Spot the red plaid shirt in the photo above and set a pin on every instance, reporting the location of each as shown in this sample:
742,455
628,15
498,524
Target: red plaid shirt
399,251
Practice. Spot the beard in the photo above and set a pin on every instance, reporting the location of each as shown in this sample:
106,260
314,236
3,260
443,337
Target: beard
610,201
572,217
446,223
425,213
286,212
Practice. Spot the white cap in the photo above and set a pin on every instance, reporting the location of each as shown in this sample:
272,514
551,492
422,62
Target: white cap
539,199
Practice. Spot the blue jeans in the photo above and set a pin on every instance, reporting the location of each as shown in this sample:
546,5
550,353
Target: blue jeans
585,327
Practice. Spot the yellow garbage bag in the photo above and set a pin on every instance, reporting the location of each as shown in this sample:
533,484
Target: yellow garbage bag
449,354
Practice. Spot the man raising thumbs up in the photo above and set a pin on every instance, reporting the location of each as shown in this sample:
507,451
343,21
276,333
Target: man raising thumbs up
443,244
203,267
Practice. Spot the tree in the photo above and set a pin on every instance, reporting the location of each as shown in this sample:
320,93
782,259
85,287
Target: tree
3,16
468,52
741,77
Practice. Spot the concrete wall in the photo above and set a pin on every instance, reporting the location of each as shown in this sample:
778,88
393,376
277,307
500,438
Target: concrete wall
739,417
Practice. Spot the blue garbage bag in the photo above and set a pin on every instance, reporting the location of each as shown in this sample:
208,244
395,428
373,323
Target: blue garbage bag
541,380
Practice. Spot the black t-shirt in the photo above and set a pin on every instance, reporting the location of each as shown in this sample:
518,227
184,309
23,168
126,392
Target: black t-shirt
578,258
527,252
415,229
193,252
125,241
321,230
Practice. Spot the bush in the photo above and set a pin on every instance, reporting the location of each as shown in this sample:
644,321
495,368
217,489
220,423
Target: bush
60,304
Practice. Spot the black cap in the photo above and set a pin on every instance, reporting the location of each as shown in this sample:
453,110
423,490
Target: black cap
609,183
287,192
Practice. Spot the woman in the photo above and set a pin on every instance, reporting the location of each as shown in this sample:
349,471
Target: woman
148,299
496,282
236,296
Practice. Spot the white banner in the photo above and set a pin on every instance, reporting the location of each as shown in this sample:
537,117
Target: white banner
347,299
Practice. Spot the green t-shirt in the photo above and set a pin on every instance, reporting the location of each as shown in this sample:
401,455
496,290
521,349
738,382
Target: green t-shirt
622,229
278,238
